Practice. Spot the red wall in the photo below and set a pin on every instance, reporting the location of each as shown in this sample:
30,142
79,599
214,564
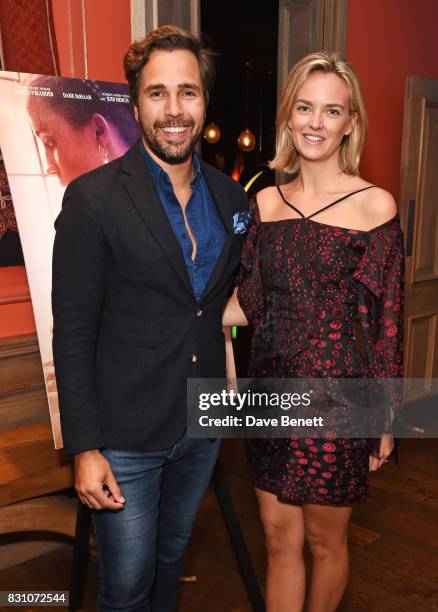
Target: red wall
387,41
107,36
16,314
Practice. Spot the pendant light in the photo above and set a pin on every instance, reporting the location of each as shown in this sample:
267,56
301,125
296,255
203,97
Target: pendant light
246,141
212,133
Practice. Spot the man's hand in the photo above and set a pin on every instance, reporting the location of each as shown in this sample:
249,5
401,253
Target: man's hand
386,446
95,482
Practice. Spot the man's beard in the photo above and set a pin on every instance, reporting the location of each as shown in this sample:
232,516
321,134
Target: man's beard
170,153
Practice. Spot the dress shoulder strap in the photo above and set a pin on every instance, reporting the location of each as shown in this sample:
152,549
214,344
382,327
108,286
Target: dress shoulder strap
288,203
348,195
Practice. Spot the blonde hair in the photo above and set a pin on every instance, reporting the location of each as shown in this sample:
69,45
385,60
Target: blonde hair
287,158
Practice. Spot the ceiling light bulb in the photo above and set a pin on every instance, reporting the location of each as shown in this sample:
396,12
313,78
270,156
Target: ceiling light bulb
246,141
212,133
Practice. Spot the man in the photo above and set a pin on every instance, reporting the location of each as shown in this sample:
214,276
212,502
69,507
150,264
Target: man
144,258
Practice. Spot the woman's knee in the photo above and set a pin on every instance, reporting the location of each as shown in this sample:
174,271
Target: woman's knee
282,539
325,545
283,526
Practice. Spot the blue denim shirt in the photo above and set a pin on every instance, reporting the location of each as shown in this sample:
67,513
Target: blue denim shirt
203,217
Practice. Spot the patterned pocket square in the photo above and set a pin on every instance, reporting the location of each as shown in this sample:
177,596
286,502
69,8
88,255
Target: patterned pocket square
241,221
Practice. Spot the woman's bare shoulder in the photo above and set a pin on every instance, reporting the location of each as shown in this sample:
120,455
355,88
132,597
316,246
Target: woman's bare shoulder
379,206
267,201
267,195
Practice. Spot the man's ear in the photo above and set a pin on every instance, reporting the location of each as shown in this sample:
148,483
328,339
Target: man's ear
136,112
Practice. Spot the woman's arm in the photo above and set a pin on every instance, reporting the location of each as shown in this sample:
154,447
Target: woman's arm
233,313
385,278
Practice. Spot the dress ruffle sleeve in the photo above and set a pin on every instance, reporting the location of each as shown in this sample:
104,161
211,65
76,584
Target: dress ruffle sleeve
380,274
248,280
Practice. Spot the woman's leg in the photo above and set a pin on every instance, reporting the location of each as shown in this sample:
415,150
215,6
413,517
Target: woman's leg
326,533
284,533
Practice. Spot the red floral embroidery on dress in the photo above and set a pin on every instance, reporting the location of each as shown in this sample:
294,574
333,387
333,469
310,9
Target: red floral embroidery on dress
303,284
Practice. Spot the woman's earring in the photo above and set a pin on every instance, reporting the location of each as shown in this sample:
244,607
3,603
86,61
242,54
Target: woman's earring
103,152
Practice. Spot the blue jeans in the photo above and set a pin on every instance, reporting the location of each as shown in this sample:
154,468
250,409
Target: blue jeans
141,546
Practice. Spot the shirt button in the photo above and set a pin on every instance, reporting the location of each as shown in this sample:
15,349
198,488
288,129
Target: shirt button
193,358
199,313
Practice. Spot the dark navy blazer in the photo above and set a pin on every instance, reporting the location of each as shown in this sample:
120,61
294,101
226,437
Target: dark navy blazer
128,329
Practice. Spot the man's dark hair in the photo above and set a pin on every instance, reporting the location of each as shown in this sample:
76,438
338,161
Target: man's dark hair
167,38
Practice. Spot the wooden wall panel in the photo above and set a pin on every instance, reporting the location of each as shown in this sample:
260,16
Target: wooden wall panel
29,465
309,25
25,408
147,15
426,250
20,364
422,340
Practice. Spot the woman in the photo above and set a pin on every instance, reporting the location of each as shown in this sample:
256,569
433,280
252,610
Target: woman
81,125
325,250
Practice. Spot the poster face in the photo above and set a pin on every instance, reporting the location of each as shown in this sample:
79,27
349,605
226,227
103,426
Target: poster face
52,130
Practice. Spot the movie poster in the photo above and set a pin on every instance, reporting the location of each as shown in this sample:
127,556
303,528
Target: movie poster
52,130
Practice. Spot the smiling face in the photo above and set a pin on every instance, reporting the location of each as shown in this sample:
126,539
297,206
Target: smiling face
321,116
171,105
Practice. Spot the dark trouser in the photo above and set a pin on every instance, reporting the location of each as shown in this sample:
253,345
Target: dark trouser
141,546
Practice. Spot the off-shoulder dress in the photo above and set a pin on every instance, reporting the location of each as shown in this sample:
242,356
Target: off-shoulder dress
305,286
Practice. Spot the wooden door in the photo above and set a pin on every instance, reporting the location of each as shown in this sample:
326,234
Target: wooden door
419,213
309,25
147,15
305,26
